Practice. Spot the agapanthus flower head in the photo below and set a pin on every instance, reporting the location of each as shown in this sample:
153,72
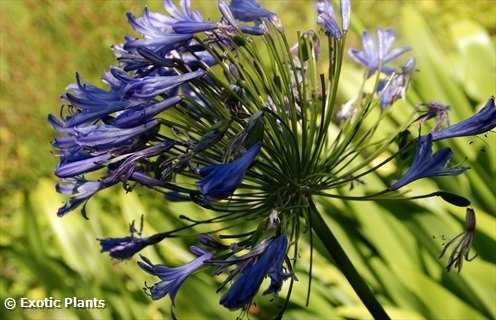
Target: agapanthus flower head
227,115
376,55
481,122
428,164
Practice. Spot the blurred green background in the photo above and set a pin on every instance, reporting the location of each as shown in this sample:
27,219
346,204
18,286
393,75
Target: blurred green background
394,245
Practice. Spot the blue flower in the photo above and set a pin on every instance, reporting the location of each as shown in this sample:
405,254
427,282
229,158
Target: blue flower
326,17
220,180
249,10
156,28
123,248
80,191
126,168
67,168
190,27
374,57
210,241
428,164
105,137
139,114
92,102
481,122
392,89
172,277
268,263
151,86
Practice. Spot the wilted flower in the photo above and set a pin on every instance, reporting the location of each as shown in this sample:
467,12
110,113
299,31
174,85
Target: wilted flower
461,244
436,110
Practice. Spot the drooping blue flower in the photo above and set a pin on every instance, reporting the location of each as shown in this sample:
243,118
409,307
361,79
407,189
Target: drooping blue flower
269,263
171,278
326,17
123,248
66,168
156,29
184,13
127,167
379,54
190,27
249,10
211,242
481,122
79,190
139,114
427,164
105,137
151,86
92,103
220,180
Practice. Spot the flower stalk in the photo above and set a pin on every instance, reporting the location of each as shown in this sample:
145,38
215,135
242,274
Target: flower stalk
344,264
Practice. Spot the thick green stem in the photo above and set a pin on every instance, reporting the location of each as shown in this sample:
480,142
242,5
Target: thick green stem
344,264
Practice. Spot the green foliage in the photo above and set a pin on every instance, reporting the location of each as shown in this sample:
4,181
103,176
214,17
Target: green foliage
394,245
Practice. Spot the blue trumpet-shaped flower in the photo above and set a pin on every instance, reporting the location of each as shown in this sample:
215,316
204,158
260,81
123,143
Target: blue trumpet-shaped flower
150,86
104,137
249,10
143,113
189,27
220,180
428,164
157,28
268,263
93,103
171,278
377,54
326,17
123,248
66,168
481,122
80,191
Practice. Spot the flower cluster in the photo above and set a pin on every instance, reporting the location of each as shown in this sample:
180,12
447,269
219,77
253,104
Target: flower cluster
227,115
